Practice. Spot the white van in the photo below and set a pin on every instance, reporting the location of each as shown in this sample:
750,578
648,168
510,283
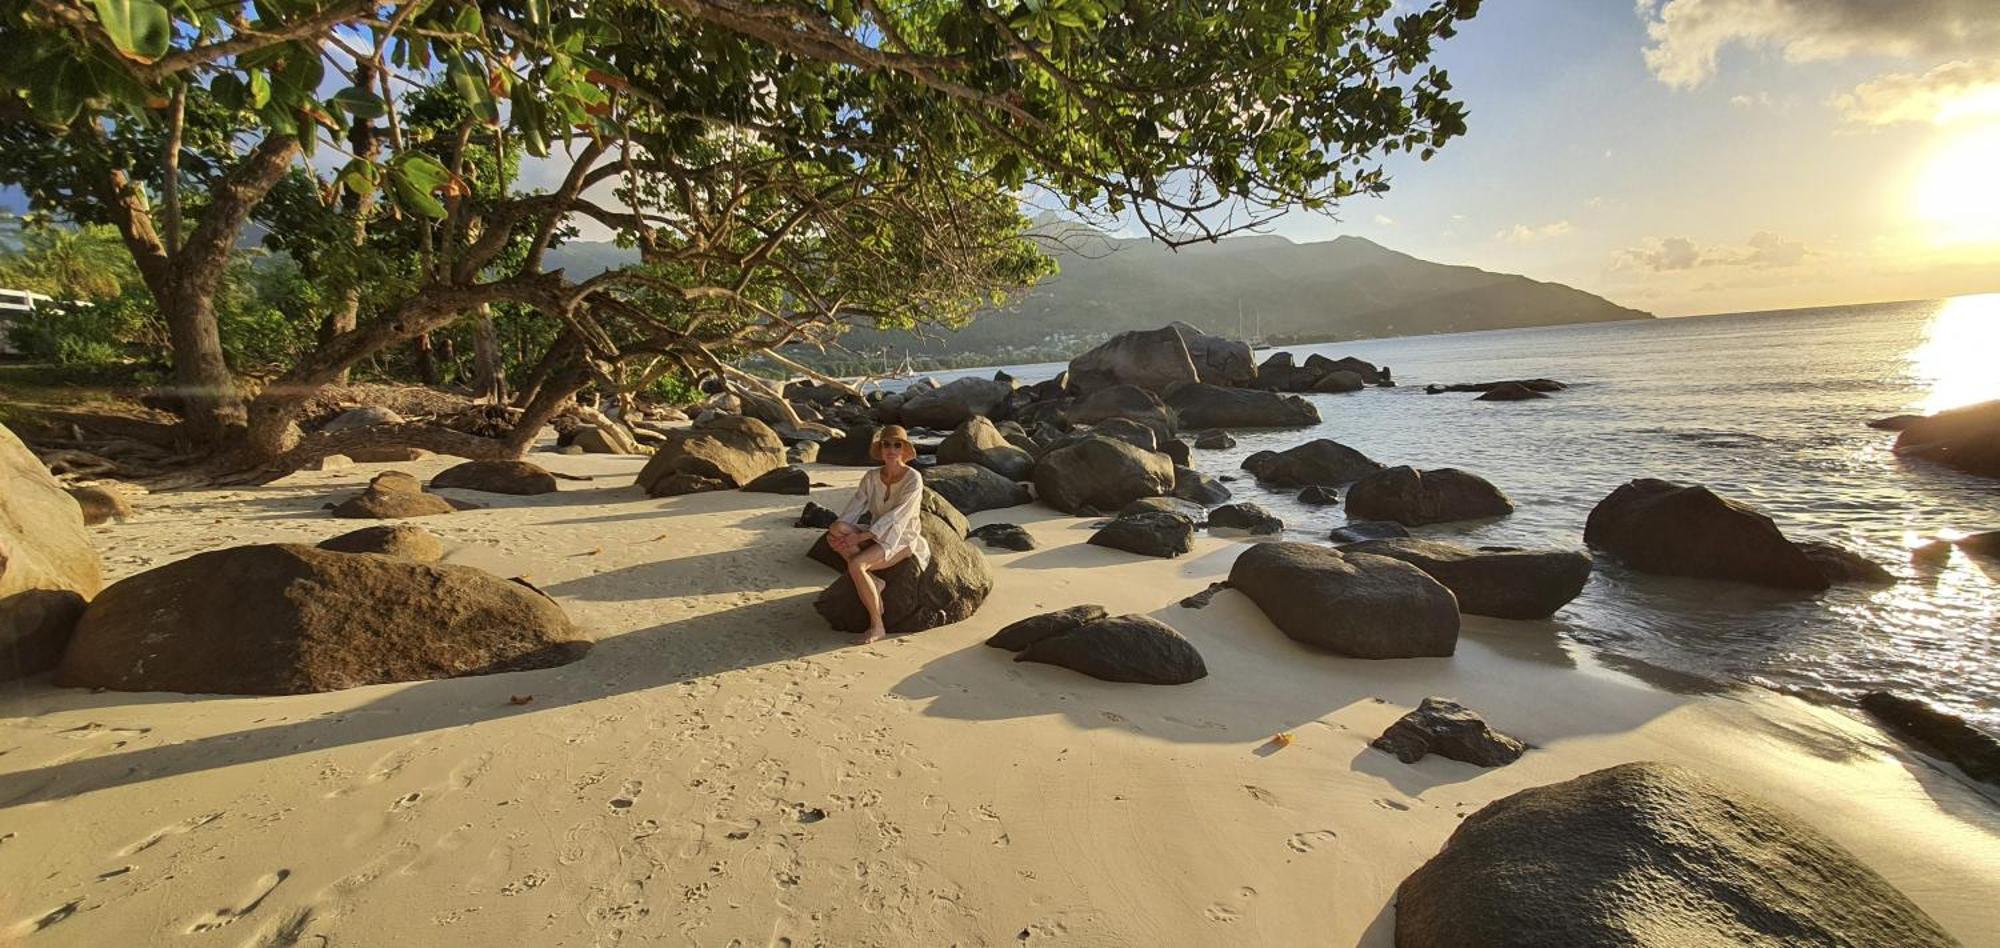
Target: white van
15,304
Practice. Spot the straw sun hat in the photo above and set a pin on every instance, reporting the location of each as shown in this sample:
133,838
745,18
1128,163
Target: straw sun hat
891,433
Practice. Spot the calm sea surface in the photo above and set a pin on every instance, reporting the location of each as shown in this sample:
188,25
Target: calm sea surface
1764,408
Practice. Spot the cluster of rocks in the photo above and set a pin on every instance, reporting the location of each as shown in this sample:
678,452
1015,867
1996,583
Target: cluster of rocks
1657,526
1129,648
1280,372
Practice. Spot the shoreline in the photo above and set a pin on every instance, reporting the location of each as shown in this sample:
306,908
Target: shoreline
723,766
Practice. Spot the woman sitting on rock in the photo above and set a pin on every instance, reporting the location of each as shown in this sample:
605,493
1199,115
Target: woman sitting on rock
892,495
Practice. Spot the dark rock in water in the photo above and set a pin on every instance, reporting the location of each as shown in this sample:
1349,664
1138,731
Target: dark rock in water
1148,533
972,488
1016,636
685,482
1931,554
1649,855
408,541
1005,536
1201,599
1358,531
1217,360
1351,603
851,449
1193,486
784,480
816,517
1841,565
1214,441
1894,422
1360,367
1101,472
1280,373
1129,402
1981,544
947,406
949,590
1245,516
48,567
1510,392
280,619
1502,582
1177,450
729,449
1656,526
1212,406
1320,461
1317,496
392,495
1338,382
1127,648
1152,359
1533,385
1965,438
1415,498
1446,728
1937,732
1173,505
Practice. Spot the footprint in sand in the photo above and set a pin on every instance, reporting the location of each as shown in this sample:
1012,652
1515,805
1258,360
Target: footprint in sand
228,914
406,801
1221,913
628,795
188,825
1304,842
1260,794
57,914
1391,805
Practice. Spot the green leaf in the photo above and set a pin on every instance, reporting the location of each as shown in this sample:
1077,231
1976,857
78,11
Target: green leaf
538,11
229,91
360,103
59,90
420,170
414,199
140,29
468,20
260,90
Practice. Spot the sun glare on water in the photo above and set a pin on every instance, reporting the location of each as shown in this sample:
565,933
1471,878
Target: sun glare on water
1956,356
1957,195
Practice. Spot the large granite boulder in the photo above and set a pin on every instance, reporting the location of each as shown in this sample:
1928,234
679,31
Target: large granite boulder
1194,486
367,416
781,480
972,488
1842,565
1498,581
1217,360
406,540
1649,855
1415,498
1656,526
1214,441
100,504
1198,405
949,405
1003,536
979,441
732,449
1022,633
1147,533
1358,531
1361,368
1938,732
1247,517
520,478
1194,512
1131,432
1340,382
281,619
1151,359
1280,373
851,448
1352,603
1100,473
1129,648
1965,438
392,495
1448,729
48,569
950,589
1317,462
1510,392
1129,402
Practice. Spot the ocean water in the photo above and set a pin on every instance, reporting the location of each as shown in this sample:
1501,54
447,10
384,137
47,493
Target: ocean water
1764,408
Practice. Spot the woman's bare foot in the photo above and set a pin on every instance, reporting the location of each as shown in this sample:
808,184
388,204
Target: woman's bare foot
874,635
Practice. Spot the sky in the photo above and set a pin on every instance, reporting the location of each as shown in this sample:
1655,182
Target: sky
1706,156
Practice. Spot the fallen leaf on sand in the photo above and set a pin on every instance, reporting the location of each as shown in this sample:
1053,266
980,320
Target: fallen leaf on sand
661,537
520,699
592,552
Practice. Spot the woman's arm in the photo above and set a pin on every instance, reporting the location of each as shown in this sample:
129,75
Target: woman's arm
902,522
858,504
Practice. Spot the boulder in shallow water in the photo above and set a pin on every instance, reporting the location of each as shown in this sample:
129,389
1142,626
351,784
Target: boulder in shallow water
497,477
1941,733
1533,385
1147,533
1003,536
1317,496
1842,565
1358,531
1502,582
406,540
279,619
1217,360
1152,359
1352,603
972,488
729,449
1211,406
1965,438
1656,526
1198,488
1510,392
781,480
950,589
1214,441
1320,461
1129,648
1415,498
1986,543
1101,473
1338,382
1020,634
1894,422
1446,728
1649,855
1246,516
48,569
392,495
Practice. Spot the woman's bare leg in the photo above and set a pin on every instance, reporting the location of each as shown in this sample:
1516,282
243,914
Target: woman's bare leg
860,568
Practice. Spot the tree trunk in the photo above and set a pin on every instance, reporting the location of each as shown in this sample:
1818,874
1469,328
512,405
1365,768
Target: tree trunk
556,392
206,390
364,141
489,379
564,348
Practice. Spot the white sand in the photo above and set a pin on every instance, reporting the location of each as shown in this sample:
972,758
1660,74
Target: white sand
723,770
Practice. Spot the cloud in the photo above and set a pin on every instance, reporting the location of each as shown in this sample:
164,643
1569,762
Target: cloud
1956,90
1524,234
1764,250
1761,100
1687,36
1384,220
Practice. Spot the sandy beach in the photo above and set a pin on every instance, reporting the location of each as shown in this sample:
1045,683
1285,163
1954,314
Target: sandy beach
723,770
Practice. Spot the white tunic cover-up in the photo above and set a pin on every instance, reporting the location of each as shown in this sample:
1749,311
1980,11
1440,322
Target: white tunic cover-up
898,521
